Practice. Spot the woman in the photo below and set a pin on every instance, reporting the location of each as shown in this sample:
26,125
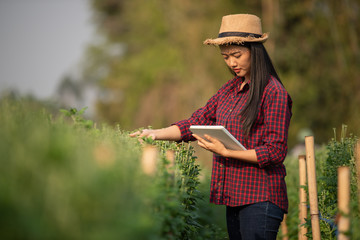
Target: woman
255,107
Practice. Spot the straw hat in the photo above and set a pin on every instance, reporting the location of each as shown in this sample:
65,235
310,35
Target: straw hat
239,28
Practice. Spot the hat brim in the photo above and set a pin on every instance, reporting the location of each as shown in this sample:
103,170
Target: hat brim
235,40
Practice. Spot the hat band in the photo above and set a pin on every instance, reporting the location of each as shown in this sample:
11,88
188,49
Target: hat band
238,34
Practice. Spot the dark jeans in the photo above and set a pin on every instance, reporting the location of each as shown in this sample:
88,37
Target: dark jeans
254,221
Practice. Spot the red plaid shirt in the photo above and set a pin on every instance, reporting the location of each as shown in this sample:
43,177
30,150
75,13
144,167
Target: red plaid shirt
235,182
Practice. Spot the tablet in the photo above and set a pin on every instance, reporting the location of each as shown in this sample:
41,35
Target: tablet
220,133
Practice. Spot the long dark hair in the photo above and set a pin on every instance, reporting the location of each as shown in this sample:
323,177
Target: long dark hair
261,69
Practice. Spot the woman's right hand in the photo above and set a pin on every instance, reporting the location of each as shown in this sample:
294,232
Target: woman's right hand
145,133
171,133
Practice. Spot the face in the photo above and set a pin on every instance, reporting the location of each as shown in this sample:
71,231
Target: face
238,59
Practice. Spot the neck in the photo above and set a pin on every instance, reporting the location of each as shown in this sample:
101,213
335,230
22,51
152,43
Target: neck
246,80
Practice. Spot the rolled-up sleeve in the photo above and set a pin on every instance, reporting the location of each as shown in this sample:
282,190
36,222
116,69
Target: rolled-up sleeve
277,115
184,129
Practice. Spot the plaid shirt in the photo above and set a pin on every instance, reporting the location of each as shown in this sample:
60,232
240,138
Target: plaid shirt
235,182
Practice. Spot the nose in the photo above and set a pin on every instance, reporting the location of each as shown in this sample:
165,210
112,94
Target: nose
232,62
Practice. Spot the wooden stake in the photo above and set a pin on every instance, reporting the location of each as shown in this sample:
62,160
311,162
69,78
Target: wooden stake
343,202
170,156
148,159
302,197
284,229
312,186
357,162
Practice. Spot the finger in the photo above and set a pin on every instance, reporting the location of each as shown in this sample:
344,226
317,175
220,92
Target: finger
210,138
196,136
199,138
137,133
147,133
152,135
201,144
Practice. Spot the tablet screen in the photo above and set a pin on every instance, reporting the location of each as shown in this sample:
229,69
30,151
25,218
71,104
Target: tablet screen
220,133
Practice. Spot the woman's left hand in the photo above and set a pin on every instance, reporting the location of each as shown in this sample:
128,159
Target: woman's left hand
211,144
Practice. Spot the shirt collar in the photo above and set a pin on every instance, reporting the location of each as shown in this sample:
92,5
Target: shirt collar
237,84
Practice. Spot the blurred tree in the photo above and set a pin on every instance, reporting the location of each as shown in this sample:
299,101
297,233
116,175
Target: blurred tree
163,72
164,65
319,60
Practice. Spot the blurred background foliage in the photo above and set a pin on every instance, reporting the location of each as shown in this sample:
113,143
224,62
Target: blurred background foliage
153,68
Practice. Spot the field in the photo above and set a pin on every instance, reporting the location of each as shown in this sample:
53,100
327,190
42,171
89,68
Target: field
65,177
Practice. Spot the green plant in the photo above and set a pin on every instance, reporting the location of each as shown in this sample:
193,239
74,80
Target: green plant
339,152
77,117
67,180
178,205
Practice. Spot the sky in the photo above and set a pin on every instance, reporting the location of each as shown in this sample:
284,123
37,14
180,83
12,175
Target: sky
41,41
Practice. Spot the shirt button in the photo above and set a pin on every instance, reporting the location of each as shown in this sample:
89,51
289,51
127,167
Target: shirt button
219,184
230,110
221,165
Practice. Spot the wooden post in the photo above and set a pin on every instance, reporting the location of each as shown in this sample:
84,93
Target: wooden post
357,162
170,156
302,197
343,202
148,159
312,186
284,229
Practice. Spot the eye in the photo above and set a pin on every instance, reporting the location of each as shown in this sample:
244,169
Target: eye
238,55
